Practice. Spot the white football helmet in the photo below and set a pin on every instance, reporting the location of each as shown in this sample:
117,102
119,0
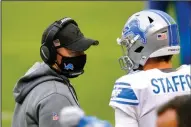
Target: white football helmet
147,34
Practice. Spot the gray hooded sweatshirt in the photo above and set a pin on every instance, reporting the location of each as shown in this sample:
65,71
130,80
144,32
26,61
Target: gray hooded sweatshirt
40,95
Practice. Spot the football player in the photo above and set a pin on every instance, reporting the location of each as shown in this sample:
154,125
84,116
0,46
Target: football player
149,40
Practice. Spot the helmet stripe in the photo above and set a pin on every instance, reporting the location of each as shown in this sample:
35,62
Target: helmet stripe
168,21
175,36
160,13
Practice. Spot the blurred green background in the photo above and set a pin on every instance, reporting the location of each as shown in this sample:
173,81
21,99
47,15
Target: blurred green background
22,27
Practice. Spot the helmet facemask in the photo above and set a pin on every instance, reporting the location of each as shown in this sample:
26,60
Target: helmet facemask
125,62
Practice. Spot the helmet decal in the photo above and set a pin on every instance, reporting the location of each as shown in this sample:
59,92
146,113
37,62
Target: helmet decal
133,28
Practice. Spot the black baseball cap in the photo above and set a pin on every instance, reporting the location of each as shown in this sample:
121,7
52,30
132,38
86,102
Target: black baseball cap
72,38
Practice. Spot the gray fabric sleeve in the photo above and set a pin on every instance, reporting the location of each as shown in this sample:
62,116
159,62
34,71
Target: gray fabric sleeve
49,108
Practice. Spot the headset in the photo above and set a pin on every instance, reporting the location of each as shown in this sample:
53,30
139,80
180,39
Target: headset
47,49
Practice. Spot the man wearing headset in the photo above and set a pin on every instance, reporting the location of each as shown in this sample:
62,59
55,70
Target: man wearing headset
45,89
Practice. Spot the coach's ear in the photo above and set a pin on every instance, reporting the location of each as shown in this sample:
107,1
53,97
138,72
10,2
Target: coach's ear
49,110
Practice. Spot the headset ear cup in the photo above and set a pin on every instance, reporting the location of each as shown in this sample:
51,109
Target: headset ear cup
48,55
52,55
44,53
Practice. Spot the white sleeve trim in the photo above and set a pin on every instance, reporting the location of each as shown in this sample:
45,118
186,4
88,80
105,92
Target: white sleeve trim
124,100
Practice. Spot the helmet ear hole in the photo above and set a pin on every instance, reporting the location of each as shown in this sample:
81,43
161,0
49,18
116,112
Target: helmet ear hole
139,49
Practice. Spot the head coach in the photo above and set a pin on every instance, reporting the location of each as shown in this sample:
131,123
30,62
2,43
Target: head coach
45,89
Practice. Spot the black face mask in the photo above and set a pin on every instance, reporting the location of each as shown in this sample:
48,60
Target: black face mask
72,67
